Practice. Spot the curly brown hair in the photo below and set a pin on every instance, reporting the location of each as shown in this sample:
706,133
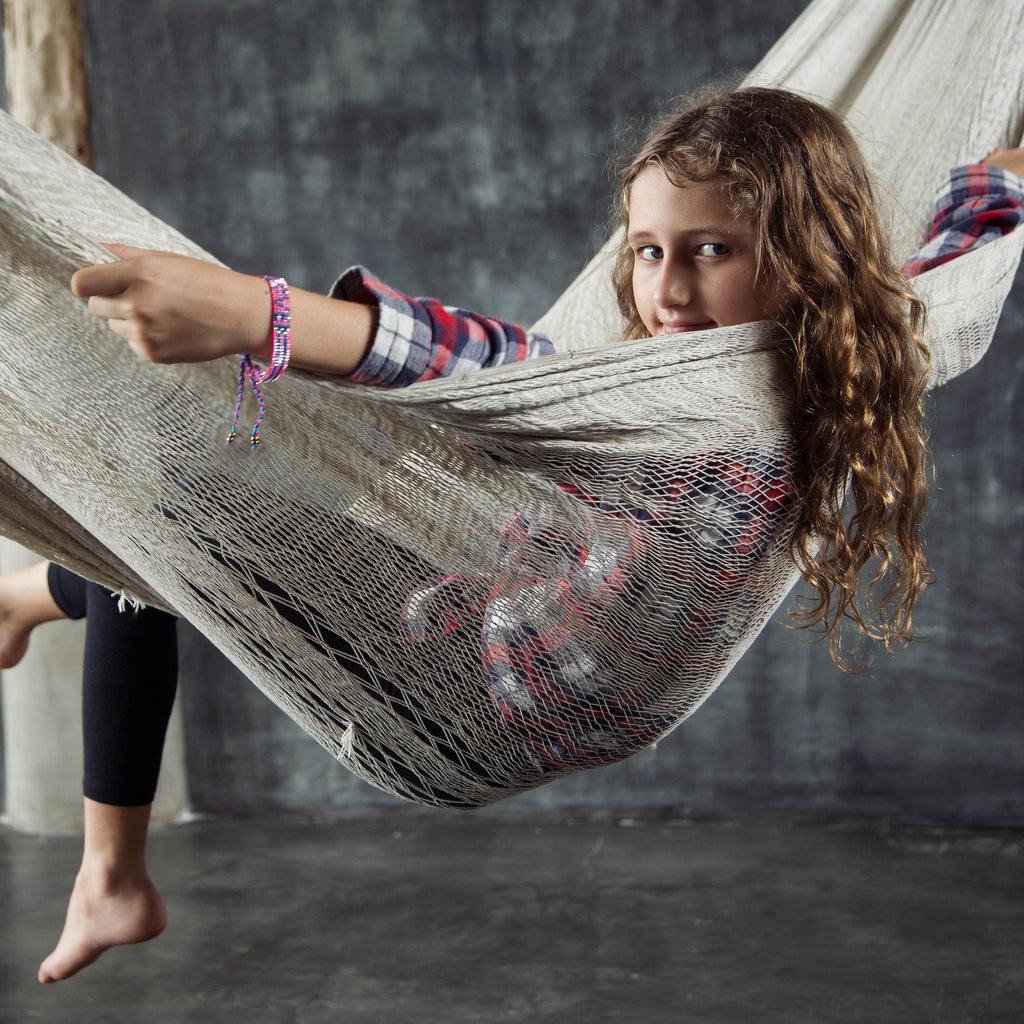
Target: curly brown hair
853,341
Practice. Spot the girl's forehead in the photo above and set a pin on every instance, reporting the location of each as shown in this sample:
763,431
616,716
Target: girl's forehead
657,203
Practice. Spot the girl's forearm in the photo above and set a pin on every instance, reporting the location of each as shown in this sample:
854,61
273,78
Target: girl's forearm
328,335
172,309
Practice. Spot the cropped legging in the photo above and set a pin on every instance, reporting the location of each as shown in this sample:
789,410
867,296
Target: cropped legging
128,684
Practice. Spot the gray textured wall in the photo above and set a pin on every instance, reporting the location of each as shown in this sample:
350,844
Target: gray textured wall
458,148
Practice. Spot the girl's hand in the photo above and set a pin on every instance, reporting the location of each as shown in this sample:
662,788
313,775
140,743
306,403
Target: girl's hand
1011,159
173,309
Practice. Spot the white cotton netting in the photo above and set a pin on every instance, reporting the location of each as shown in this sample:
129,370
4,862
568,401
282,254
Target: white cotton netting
468,587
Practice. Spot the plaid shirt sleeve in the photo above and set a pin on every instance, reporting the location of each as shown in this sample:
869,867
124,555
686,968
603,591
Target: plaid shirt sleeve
978,204
420,339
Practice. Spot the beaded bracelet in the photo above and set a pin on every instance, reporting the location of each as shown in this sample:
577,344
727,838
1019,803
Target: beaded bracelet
281,329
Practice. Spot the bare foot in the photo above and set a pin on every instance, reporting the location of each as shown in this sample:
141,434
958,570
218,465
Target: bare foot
25,602
103,913
14,632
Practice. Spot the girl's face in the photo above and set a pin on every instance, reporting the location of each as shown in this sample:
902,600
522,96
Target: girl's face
694,266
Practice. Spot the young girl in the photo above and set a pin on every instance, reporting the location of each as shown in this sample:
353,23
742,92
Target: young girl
754,205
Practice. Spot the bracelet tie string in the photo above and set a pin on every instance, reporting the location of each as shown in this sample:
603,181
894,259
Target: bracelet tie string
281,330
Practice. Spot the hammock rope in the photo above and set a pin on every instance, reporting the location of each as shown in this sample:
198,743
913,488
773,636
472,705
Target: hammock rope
469,587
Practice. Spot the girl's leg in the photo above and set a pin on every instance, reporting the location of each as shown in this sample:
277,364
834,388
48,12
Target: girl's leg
25,602
113,902
129,680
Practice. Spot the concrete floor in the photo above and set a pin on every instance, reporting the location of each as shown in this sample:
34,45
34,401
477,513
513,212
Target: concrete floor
455,918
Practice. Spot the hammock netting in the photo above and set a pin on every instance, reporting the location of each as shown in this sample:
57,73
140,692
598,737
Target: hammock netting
469,587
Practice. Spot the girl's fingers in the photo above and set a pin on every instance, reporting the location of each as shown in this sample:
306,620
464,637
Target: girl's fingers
112,278
126,252
125,329
101,279
108,308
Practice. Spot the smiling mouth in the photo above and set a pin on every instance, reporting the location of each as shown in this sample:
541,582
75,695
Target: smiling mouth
684,328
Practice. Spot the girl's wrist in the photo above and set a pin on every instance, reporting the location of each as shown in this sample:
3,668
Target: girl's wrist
256,338
274,365
260,331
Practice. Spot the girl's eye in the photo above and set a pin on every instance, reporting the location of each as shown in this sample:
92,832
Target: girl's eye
648,253
713,249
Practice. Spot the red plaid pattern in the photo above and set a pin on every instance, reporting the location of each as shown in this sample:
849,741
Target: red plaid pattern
978,204
420,339
576,704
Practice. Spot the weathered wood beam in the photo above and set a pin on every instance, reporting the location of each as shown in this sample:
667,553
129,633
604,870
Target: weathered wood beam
47,85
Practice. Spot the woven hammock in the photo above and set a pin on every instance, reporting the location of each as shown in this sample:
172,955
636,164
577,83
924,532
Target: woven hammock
468,587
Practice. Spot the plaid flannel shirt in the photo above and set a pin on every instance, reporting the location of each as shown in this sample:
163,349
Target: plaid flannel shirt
420,339
978,203
571,711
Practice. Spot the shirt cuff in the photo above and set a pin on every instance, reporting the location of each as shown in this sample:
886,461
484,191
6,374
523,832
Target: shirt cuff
978,203
401,343
973,181
421,339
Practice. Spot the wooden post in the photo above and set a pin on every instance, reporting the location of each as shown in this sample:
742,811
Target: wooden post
48,91
46,78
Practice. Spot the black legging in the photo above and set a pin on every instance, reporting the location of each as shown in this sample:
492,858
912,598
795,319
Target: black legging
128,683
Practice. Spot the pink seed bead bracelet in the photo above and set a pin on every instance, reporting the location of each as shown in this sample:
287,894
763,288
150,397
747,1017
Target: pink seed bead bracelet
281,331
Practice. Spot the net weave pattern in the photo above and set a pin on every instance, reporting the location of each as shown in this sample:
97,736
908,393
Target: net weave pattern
467,588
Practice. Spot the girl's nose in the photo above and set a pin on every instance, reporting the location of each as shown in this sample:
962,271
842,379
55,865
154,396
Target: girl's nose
673,287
